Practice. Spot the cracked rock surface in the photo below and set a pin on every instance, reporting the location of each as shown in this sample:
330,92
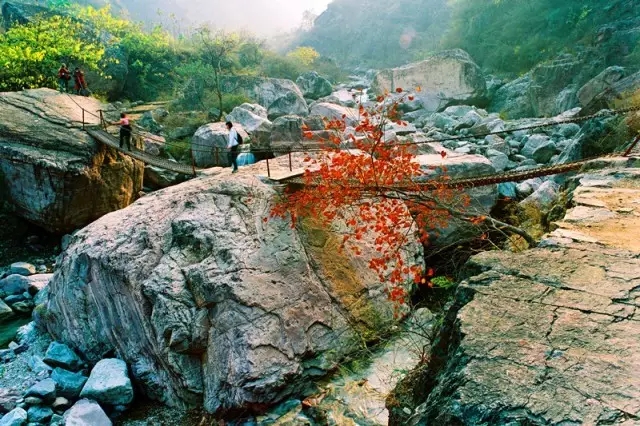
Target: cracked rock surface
550,336
209,303
52,173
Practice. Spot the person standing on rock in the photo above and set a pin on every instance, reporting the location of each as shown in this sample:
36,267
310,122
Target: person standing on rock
232,147
125,131
80,84
64,75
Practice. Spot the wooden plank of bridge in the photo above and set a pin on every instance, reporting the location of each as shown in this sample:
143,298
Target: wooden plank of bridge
282,177
113,142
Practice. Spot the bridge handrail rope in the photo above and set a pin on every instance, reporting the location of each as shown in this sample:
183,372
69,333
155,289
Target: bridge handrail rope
466,182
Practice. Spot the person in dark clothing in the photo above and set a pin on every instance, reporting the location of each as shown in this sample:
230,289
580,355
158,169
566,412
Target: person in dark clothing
64,75
232,146
80,84
125,131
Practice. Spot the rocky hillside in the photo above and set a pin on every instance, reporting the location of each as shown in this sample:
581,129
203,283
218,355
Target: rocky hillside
505,37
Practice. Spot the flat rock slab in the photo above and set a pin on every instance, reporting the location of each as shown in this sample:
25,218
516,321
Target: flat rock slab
550,335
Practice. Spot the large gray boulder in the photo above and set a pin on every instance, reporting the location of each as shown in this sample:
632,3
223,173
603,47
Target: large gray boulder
336,112
210,304
210,144
612,95
549,79
279,96
22,268
51,172
600,83
540,148
86,413
109,383
257,126
446,78
314,86
512,100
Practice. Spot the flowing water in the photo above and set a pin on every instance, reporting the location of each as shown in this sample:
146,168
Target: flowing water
9,328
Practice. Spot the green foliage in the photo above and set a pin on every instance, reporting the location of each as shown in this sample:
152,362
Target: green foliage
443,282
232,100
277,66
31,54
513,36
151,55
180,150
148,64
304,55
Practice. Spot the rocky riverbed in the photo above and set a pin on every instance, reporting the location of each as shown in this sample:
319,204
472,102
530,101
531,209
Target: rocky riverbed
190,298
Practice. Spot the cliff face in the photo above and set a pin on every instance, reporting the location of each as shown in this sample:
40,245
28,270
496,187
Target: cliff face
52,173
549,335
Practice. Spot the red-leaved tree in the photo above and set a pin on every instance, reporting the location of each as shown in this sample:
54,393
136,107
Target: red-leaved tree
378,189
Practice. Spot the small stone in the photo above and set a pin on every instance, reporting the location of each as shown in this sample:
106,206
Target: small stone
36,364
13,284
7,355
60,355
56,420
45,390
68,384
13,299
39,414
16,417
23,268
86,413
5,311
23,307
407,411
9,399
19,349
32,400
109,383
61,404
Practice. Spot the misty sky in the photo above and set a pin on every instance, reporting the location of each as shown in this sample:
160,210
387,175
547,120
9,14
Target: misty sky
258,16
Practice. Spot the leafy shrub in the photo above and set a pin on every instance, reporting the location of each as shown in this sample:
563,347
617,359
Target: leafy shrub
31,54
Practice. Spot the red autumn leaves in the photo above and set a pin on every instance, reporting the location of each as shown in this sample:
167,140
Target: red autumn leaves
371,192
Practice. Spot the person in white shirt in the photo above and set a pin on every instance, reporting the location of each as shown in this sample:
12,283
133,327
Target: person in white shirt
232,146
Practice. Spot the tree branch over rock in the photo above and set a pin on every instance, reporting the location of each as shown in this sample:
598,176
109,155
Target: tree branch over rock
374,188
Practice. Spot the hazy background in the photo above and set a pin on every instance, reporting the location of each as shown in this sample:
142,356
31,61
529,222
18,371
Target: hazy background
261,17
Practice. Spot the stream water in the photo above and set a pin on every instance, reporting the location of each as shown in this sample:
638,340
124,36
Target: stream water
9,328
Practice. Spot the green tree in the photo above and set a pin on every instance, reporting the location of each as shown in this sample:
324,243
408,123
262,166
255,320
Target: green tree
31,54
513,36
304,54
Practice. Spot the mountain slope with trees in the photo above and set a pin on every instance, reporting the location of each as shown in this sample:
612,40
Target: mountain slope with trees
507,37
377,34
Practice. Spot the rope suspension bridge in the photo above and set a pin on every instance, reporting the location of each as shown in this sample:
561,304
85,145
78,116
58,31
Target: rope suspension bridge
100,134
